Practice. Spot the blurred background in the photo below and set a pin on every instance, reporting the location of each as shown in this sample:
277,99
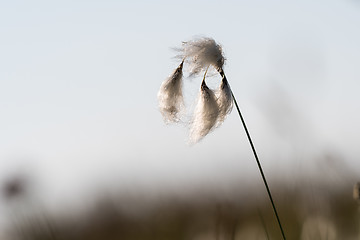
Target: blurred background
81,133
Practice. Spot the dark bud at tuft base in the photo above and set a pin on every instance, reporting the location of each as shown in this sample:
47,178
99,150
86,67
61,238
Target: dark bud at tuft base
204,86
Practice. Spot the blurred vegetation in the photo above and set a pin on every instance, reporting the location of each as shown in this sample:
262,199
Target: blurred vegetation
322,213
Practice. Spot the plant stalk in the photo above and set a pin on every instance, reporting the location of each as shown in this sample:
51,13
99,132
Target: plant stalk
256,158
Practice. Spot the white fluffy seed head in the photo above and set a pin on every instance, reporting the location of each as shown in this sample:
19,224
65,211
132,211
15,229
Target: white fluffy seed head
205,115
212,107
170,96
201,53
224,100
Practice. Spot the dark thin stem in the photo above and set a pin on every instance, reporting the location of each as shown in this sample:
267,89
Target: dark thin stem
259,165
256,158
203,81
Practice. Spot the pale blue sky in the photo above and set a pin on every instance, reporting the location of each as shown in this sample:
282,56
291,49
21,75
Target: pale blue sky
79,79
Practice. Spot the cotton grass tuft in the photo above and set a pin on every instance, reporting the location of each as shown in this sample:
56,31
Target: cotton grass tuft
212,107
170,96
224,100
201,53
205,115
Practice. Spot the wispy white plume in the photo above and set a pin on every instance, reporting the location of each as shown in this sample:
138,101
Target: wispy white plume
201,53
205,115
212,107
224,100
170,96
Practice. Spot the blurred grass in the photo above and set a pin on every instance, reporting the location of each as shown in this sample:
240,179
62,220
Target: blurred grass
322,213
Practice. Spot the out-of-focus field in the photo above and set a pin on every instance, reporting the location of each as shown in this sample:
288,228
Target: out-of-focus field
307,211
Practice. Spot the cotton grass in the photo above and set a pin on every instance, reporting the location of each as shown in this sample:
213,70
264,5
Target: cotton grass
206,113
170,96
201,53
224,100
212,106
